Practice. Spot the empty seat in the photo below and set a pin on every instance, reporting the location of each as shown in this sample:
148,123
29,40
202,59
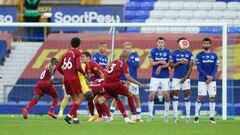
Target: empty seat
185,14
162,29
228,21
138,20
133,29
148,29
130,14
219,6
205,5
215,14
233,6
146,5
153,20
192,30
167,20
236,22
200,14
161,5
171,14
176,5
142,14
177,29
190,5
157,14
181,20
211,21
196,20
230,14
133,6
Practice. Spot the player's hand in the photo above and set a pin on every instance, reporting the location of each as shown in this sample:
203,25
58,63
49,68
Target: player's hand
183,80
144,86
208,82
158,70
209,78
162,62
52,82
183,61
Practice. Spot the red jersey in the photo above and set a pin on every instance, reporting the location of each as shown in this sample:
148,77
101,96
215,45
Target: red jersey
115,70
45,76
69,64
93,69
96,87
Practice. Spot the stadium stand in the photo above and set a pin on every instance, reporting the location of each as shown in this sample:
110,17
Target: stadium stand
191,11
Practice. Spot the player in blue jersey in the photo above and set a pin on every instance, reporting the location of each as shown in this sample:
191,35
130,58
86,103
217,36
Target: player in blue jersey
159,61
182,62
100,56
133,64
207,65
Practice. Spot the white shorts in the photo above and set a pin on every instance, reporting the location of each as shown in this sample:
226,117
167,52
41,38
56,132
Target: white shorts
134,88
176,85
159,84
204,88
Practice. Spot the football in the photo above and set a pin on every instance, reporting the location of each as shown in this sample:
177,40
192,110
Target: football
184,44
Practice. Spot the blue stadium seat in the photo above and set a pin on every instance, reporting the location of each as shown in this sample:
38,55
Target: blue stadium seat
144,0
3,51
133,29
234,30
133,6
130,14
138,20
147,5
142,14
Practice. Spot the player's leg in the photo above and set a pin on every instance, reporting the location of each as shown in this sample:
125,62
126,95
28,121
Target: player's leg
63,103
113,106
91,111
102,102
135,90
176,87
154,85
53,93
99,109
202,91
212,93
166,94
186,86
37,94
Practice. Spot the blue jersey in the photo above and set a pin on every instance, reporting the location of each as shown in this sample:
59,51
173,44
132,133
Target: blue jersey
101,59
133,64
207,64
160,55
181,70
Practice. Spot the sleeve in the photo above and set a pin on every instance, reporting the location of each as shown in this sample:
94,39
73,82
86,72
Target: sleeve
59,66
95,57
191,57
169,56
135,62
172,57
199,65
216,63
152,55
125,68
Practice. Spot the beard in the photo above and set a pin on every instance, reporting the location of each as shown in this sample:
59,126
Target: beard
206,48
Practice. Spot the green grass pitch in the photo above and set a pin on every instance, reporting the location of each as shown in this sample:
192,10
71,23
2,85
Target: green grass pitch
44,125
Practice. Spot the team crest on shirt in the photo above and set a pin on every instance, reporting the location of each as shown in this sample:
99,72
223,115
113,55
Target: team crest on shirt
132,57
160,54
177,55
182,55
207,56
212,57
164,54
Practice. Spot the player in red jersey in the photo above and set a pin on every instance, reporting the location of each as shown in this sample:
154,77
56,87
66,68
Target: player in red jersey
94,71
95,90
114,87
69,66
44,86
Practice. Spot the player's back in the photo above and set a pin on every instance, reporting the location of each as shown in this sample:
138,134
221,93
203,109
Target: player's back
45,76
93,69
115,70
69,64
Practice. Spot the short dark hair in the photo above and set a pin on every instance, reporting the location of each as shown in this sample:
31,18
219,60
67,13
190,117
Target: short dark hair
160,38
88,54
207,39
75,42
181,38
53,61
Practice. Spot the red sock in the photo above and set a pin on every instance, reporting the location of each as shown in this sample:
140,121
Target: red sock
54,104
131,105
105,109
91,107
31,104
73,110
121,109
99,110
